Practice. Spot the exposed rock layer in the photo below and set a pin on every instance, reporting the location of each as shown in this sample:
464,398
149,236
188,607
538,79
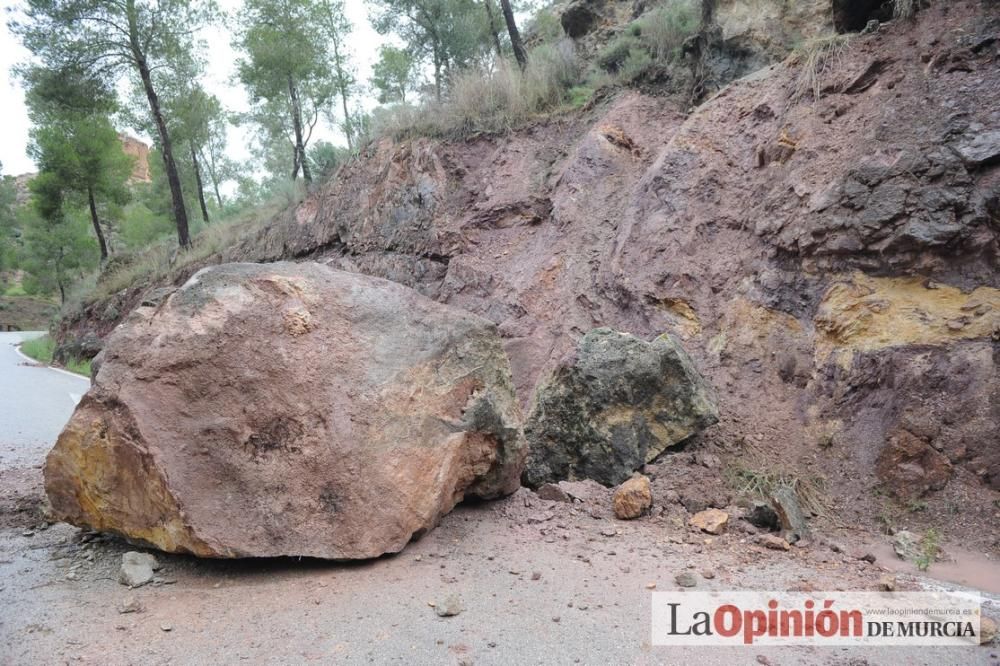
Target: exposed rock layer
819,256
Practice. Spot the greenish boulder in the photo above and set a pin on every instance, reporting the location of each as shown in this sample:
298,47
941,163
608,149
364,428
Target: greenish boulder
615,405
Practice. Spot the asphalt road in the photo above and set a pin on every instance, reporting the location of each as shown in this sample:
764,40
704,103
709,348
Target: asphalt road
35,403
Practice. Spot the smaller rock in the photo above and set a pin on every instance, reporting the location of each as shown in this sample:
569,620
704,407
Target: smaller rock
707,574
773,541
712,521
865,556
536,575
129,605
553,493
450,607
887,583
790,516
906,545
987,630
980,148
137,568
650,586
686,579
586,490
632,498
166,627
609,531
693,503
707,460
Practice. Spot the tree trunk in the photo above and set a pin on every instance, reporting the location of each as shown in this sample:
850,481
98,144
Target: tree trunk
515,36
493,27
59,277
215,179
176,195
97,225
198,183
437,74
300,148
295,162
342,88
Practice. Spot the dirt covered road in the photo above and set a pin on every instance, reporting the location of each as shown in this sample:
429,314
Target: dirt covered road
532,581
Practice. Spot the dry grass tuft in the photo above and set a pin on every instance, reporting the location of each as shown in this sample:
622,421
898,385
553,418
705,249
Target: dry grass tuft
817,58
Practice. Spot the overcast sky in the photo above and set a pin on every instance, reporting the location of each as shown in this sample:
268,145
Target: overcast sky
221,59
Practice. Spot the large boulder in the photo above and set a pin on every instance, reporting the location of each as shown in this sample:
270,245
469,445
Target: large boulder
288,409
612,407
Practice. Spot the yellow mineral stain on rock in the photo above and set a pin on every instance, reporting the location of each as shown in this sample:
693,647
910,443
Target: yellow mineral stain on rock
747,325
96,477
867,313
666,434
686,319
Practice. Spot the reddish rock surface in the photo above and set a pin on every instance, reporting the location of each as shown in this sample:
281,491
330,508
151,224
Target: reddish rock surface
288,409
910,467
633,498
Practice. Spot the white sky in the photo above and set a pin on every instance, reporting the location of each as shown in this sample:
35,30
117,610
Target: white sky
221,58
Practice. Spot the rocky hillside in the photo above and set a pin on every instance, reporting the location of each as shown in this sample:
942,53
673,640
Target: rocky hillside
822,236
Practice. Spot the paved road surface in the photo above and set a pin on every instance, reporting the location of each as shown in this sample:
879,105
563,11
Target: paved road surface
35,403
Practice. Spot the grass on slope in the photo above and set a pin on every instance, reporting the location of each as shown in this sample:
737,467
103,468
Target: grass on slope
41,350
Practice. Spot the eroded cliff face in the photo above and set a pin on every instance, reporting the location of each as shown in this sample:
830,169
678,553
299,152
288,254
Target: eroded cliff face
830,263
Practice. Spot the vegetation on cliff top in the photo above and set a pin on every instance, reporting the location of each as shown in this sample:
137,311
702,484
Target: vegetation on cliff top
454,69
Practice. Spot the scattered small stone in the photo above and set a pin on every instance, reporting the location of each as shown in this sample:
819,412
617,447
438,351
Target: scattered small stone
553,493
129,605
712,521
536,575
773,541
556,618
686,579
650,586
137,568
633,498
166,627
417,558
906,545
491,644
887,583
541,517
707,574
27,533
987,630
450,607
866,557
609,531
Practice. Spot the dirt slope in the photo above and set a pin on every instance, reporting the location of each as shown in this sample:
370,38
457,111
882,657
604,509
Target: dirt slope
830,263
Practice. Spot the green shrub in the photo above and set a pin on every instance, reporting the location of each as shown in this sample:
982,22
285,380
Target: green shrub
40,349
490,101
613,56
664,29
655,39
579,96
635,66
544,27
